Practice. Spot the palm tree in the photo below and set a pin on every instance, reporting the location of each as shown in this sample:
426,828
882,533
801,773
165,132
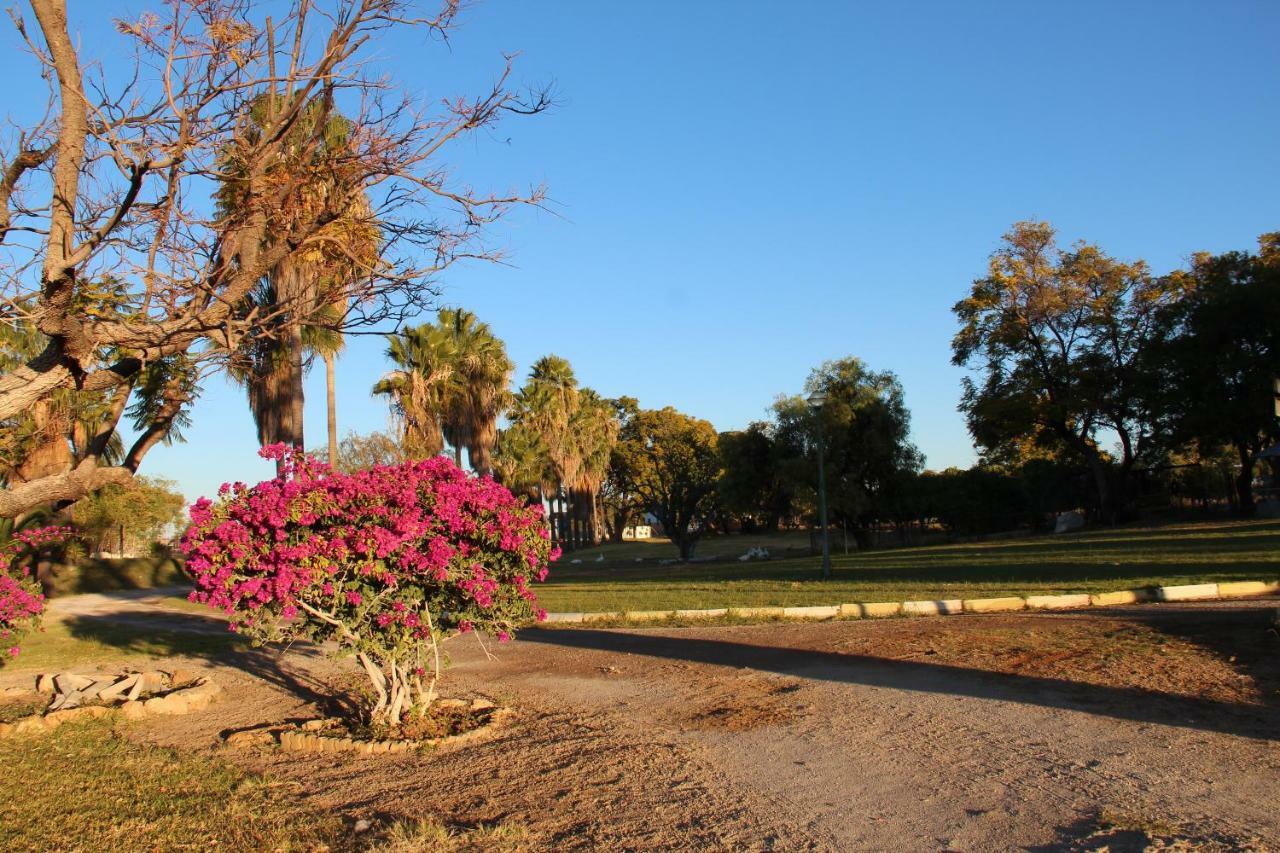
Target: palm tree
305,286
594,425
420,386
479,391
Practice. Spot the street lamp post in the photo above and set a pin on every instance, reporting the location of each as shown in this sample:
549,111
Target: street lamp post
816,400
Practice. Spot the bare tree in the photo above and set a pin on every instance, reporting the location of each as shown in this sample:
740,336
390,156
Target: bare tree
115,180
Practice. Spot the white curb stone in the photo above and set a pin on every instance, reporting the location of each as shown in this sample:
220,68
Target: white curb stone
994,605
647,615
702,614
1188,592
1121,596
1231,588
944,607
816,612
880,609
564,617
1057,602
757,612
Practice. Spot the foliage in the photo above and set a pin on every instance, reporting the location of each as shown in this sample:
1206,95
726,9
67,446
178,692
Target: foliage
357,452
1217,356
752,486
388,562
113,254
21,601
865,433
671,462
1055,337
138,512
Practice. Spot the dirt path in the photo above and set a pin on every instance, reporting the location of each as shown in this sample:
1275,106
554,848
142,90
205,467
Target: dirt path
1026,731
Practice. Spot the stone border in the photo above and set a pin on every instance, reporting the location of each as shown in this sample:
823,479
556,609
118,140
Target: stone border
940,607
308,738
184,700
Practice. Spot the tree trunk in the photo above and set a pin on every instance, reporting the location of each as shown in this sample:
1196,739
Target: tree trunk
1244,481
295,390
331,400
1098,469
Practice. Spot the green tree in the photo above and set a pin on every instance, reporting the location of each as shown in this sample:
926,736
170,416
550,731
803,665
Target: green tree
752,486
130,515
479,389
419,386
672,464
1218,355
1056,337
357,451
866,434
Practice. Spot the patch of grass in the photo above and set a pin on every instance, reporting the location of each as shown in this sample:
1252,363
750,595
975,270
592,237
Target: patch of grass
1093,561
14,709
87,786
76,641
431,836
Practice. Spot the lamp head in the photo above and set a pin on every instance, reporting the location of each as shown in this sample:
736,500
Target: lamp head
817,398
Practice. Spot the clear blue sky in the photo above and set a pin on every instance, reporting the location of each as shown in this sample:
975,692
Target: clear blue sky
747,189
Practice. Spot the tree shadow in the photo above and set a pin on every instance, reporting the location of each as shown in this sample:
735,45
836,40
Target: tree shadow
1123,703
176,634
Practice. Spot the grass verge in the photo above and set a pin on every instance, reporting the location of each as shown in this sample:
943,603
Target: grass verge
86,786
1094,561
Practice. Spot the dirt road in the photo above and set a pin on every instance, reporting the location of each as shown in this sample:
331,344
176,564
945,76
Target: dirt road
1077,730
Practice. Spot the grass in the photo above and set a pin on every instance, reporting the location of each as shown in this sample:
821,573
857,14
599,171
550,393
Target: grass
83,641
1093,561
87,786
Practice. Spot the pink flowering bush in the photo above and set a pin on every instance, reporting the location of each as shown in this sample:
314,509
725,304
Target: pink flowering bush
388,562
21,601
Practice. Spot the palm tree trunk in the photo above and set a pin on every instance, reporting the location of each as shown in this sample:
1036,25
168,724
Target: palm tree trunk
295,390
332,403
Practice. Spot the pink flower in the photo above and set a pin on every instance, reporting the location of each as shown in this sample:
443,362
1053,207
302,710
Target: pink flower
13,651
354,599
503,636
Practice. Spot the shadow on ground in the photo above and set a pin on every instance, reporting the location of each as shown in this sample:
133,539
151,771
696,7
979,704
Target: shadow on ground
1216,627
175,634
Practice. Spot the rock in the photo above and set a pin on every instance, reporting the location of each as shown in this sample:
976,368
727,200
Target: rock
44,683
117,690
183,677
317,725
5,729
1068,522
362,825
262,736
135,690
68,682
133,710
482,704
154,681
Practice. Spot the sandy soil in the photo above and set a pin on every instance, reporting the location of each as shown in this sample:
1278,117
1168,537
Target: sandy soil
1121,729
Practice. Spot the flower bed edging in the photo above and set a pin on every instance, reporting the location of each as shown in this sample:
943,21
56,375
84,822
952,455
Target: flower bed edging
309,736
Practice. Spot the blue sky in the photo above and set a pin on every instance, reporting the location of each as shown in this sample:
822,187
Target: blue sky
743,190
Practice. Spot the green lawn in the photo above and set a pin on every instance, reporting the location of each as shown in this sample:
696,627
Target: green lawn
1095,561
77,640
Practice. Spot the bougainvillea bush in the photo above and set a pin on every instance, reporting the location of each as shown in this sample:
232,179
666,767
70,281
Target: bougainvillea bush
21,601
389,562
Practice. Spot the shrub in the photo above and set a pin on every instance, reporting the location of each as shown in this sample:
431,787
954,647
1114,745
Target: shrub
389,562
21,601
